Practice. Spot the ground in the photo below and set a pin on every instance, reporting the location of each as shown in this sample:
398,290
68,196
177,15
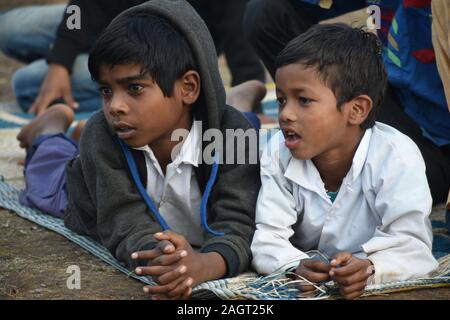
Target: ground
34,260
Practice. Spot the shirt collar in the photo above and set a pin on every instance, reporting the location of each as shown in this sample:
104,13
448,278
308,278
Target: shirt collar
305,173
190,151
361,154
191,148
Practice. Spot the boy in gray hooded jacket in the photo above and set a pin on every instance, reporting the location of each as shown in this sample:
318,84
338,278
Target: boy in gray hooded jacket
151,200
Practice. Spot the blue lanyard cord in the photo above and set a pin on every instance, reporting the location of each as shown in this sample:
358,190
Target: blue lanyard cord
142,191
205,197
151,205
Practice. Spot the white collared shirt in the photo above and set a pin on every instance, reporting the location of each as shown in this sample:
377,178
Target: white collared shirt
380,213
177,195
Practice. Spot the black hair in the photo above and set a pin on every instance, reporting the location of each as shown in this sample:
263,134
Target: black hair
147,40
347,59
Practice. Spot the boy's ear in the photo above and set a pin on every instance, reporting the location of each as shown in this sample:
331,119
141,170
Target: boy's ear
360,109
190,86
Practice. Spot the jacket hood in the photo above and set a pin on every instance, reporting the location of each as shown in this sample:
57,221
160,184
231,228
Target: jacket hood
184,17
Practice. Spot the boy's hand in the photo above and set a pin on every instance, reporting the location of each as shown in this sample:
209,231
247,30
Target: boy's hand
55,85
164,269
196,268
177,273
162,259
162,248
314,271
352,274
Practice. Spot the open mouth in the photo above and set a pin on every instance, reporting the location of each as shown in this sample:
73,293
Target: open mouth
123,130
291,138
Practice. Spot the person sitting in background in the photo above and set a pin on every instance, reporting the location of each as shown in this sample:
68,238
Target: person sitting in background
57,55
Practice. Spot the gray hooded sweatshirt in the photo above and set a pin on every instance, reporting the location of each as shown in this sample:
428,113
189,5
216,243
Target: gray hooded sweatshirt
103,199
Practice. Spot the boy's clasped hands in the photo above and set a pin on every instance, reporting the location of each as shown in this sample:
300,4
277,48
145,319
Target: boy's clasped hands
348,271
176,267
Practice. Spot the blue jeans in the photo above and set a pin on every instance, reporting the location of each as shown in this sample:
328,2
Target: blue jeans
27,34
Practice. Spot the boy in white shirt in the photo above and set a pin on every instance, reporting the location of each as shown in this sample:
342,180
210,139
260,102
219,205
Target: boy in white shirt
335,180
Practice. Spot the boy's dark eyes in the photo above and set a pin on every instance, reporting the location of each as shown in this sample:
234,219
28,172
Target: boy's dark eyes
281,101
302,100
135,88
105,91
132,88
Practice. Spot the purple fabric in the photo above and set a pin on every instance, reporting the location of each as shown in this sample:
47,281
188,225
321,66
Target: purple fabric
45,173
